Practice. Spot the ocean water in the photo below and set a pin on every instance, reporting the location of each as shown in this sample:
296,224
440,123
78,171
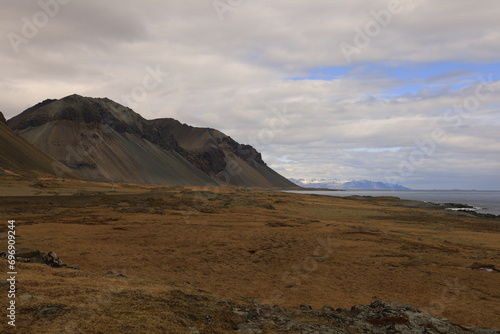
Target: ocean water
483,201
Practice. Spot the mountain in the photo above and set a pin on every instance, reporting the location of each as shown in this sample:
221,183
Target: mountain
18,157
353,184
102,140
221,157
366,184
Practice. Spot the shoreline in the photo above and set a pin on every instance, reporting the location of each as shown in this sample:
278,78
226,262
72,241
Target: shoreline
452,206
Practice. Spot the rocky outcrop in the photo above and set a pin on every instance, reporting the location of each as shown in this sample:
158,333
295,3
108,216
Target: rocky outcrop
30,255
33,119
2,119
380,317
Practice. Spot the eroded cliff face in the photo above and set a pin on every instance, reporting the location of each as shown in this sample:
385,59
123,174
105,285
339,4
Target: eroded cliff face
222,157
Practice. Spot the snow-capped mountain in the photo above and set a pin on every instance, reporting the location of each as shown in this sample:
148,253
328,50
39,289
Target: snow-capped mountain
351,184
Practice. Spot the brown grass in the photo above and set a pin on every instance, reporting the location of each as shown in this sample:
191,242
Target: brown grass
180,261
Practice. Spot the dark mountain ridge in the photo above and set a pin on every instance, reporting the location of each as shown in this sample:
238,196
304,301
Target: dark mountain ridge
105,141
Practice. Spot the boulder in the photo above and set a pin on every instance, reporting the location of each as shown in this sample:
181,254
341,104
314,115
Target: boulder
53,260
74,266
31,255
49,311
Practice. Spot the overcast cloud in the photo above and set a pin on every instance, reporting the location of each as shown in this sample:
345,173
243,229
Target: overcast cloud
405,91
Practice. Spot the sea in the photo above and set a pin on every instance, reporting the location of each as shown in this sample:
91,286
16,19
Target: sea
483,201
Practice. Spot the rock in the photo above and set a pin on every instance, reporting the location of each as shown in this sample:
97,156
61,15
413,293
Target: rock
240,312
254,313
305,307
53,260
378,303
114,273
327,309
360,309
4,282
485,267
278,308
403,306
2,118
110,272
74,266
49,310
249,328
29,255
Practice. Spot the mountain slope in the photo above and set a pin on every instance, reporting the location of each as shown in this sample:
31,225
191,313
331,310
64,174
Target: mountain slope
219,155
105,141
18,157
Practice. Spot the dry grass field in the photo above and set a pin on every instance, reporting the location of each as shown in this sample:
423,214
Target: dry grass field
156,260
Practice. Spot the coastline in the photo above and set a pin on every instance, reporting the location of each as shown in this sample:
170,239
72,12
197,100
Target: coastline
467,201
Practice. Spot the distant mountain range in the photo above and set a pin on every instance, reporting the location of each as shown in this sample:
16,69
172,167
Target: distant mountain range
352,184
98,139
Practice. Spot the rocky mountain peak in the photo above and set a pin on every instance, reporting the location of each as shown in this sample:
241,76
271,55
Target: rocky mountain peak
76,108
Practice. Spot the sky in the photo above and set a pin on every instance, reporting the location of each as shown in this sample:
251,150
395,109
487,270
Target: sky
405,91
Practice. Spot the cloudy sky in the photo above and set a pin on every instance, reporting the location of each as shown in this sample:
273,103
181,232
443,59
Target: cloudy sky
396,91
